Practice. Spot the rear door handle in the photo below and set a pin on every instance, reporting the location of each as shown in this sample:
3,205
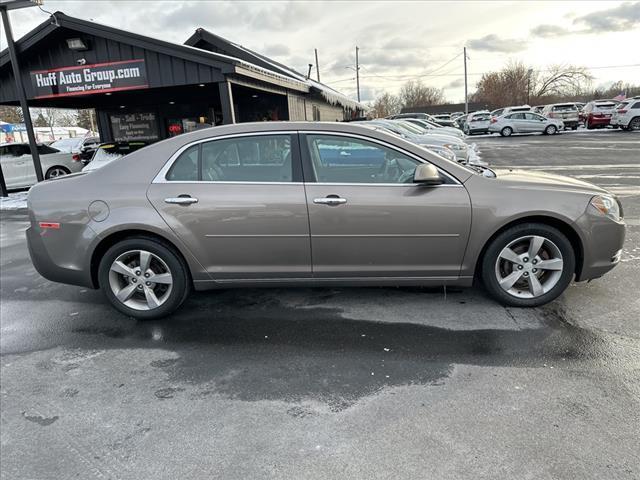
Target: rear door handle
331,201
181,200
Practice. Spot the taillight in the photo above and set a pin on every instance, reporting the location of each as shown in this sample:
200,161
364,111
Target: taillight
622,111
494,119
75,157
551,115
51,225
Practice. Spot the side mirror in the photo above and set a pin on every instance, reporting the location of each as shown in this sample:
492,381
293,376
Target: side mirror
427,174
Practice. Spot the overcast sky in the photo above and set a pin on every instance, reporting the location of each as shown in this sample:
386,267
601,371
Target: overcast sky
397,40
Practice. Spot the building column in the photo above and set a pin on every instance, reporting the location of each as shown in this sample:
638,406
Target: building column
226,101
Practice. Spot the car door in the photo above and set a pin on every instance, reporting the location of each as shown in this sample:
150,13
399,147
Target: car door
239,205
14,164
518,122
368,219
535,122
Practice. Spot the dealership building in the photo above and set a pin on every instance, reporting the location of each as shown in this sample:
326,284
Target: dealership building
147,89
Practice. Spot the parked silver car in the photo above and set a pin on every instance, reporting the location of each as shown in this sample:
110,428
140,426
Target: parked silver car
524,122
314,204
18,169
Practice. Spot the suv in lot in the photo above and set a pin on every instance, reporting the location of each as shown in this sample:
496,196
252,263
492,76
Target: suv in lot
597,113
627,114
567,112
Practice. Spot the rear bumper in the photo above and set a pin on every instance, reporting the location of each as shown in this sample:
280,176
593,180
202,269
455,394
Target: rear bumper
43,262
599,122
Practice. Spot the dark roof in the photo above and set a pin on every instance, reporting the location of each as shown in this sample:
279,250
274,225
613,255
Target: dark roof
60,20
446,108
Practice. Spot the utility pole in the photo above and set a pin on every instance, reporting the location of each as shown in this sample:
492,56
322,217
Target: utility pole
317,65
22,96
466,93
357,74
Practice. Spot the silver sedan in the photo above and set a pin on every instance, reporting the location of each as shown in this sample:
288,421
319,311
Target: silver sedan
315,204
524,122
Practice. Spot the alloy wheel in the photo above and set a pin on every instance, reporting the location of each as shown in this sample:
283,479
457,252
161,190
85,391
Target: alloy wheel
529,266
634,124
56,172
141,280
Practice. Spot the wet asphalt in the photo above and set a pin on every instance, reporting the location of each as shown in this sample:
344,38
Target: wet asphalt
362,383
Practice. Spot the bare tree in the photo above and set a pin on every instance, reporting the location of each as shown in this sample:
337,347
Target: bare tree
517,84
561,80
10,114
415,94
385,105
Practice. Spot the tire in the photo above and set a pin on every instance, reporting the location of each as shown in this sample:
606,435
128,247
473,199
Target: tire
163,259
56,171
575,127
495,269
506,131
634,124
550,130
587,125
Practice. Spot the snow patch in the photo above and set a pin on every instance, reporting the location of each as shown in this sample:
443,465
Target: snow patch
15,201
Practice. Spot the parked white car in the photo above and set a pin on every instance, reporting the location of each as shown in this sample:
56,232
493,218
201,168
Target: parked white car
18,169
524,122
626,114
477,122
505,110
435,128
567,112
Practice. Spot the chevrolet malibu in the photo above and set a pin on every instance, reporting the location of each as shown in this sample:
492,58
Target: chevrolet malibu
314,204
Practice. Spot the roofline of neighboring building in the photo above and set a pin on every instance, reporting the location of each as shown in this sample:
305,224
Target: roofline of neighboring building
327,92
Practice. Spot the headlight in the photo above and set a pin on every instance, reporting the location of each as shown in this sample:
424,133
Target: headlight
456,146
607,206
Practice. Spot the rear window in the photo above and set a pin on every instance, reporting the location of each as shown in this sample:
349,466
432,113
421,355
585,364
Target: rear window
603,106
481,117
564,108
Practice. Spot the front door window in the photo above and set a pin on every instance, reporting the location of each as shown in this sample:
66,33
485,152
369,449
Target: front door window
338,159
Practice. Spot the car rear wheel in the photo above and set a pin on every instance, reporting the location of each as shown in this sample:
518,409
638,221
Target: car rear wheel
550,130
634,124
506,131
528,265
55,172
143,278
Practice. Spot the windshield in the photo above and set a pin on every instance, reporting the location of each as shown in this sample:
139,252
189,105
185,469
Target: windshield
67,144
410,127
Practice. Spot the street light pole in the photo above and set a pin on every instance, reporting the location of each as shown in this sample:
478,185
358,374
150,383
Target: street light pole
466,96
357,74
22,96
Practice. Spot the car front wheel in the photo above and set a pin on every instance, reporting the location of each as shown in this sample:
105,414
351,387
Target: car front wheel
528,265
143,278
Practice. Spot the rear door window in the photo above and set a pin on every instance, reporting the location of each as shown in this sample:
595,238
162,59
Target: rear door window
260,158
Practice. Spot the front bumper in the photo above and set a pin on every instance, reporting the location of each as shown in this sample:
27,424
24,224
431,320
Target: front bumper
602,245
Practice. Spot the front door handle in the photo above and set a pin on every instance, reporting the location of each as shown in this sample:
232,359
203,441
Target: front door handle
186,200
330,200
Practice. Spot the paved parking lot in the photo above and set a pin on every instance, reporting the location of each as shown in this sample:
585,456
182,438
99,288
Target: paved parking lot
334,383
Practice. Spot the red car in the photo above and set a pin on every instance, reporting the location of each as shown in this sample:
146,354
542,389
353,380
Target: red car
597,113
